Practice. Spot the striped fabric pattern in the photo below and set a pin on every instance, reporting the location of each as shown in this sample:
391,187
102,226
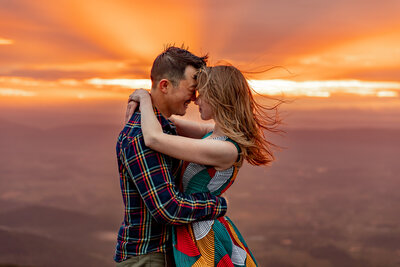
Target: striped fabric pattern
152,202
210,242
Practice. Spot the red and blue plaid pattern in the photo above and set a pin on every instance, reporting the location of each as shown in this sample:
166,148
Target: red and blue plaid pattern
151,199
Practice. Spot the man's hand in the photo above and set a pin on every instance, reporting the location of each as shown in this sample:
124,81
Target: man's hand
130,109
226,198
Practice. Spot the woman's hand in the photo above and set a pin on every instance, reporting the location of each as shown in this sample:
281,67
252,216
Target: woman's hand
133,102
138,95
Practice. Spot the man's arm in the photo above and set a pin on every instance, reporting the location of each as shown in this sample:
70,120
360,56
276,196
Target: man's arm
151,174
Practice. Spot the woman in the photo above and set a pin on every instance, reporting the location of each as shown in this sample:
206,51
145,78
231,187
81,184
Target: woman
213,156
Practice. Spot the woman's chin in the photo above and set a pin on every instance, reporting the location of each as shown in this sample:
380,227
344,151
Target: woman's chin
205,118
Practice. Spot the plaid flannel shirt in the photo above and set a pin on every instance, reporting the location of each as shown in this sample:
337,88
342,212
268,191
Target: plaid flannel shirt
152,202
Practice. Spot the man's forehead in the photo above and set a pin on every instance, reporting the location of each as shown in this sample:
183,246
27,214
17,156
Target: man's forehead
191,76
195,75
190,71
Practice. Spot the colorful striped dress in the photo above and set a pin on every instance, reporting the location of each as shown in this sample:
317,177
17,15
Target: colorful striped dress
212,242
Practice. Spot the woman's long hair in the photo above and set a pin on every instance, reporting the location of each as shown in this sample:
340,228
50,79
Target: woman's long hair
240,117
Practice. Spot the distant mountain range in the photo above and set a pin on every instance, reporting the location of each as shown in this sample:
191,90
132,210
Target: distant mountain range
330,199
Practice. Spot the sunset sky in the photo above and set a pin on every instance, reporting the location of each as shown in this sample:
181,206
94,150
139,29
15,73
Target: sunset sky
70,49
67,68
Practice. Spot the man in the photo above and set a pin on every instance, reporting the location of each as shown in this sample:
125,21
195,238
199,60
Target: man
152,202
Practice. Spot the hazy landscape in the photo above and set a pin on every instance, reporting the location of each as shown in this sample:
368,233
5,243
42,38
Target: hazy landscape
331,198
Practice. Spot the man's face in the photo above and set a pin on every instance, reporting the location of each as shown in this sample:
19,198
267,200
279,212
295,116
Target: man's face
184,93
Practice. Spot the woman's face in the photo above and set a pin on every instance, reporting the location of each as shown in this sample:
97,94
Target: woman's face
205,109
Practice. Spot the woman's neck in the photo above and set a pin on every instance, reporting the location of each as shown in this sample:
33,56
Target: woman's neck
217,131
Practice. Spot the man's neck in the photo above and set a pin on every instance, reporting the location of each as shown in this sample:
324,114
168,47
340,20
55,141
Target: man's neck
159,103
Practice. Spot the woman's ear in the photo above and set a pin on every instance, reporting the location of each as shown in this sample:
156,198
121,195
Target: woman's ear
164,85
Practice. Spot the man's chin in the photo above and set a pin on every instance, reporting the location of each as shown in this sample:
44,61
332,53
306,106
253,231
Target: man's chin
182,113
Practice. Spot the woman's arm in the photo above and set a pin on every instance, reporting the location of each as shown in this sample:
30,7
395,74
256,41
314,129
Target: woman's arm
191,129
219,154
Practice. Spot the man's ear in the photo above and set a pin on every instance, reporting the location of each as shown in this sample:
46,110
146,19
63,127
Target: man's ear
164,85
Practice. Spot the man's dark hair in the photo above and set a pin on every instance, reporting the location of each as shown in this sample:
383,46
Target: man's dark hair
171,64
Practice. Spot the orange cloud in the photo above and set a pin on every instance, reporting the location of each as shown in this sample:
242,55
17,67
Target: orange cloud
342,60
75,34
83,40
16,92
4,41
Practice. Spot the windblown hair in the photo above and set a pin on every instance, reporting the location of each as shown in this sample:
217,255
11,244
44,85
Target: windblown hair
235,110
171,64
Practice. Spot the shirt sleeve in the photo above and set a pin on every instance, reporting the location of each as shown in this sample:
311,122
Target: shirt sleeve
151,173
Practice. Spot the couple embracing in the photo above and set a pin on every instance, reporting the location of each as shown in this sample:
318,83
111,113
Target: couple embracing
173,171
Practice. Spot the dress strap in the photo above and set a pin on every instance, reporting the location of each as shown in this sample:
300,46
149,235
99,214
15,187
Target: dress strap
237,147
207,135
229,140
